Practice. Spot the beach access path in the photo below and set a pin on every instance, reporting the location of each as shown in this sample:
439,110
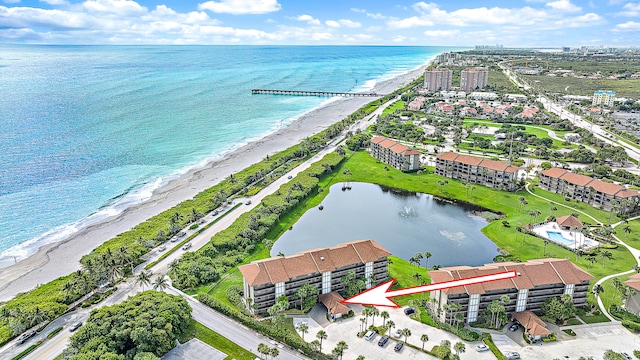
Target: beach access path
62,258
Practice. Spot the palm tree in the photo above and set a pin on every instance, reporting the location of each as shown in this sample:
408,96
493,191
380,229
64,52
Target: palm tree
418,258
424,338
384,315
597,289
144,278
417,276
459,348
427,255
67,288
390,325
321,335
304,328
263,349
274,352
374,313
160,283
173,267
406,332
606,255
545,242
627,230
591,259
341,347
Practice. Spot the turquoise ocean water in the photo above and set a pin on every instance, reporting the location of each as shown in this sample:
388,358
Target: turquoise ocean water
86,131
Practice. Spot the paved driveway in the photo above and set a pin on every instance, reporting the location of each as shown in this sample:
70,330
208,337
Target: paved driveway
347,329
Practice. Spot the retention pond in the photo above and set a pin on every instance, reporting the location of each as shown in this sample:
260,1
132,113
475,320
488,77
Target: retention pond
403,222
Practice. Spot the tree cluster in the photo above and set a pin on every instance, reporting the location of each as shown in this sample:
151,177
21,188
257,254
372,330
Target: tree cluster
559,309
146,324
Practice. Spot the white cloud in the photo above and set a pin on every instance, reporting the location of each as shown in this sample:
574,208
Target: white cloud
589,19
332,23
441,33
630,9
563,5
238,7
350,24
376,16
308,18
11,1
25,17
409,22
628,26
115,7
399,39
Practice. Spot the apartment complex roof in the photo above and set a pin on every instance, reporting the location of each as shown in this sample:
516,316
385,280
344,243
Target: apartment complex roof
394,146
283,268
634,281
569,221
532,323
530,274
478,161
332,301
587,181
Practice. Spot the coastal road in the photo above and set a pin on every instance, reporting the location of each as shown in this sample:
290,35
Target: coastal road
241,335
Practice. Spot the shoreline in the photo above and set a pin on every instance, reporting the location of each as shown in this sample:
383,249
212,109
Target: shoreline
61,258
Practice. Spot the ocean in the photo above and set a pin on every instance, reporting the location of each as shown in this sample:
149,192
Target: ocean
86,131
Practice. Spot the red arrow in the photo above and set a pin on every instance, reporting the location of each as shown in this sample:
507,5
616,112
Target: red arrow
379,295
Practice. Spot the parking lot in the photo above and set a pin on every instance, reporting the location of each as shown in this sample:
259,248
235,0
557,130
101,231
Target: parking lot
346,330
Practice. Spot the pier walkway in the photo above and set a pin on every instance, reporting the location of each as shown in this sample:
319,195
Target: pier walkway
310,93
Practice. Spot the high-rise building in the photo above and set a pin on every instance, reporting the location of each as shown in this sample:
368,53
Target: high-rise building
603,97
474,78
437,79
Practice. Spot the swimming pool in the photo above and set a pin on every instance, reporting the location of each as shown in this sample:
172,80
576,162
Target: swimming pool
557,237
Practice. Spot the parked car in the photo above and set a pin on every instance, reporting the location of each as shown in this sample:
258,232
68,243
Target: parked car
75,326
162,248
397,334
627,356
409,311
383,341
186,246
512,355
215,212
369,335
181,234
248,202
289,177
26,336
482,348
513,327
398,347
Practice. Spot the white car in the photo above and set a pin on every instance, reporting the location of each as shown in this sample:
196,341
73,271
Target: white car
482,348
369,335
397,334
186,246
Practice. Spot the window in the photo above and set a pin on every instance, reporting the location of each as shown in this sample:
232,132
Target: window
326,282
474,303
521,303
279,289
568,289
368,271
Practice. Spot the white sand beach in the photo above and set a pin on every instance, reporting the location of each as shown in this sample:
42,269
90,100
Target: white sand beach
58,259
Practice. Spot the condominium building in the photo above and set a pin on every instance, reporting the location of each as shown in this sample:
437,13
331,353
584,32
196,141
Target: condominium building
437,79
446,58
603,97
395,154
266,280
604,195
474,78
477,170
537,281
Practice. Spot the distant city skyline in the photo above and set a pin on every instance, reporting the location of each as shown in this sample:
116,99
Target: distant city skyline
518,23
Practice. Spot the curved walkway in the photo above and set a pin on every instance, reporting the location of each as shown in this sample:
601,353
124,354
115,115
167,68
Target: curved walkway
635,252
561,204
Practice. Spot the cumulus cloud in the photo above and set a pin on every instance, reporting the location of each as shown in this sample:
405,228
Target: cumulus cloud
238,7
115,7
564,5
627,26
308,18
54,2
589,19
332,23
376,16
441,33
409,22
630,9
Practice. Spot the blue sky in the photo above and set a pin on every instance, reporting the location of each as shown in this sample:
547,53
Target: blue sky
529,23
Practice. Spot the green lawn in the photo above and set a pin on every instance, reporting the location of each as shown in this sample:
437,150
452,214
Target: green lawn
398,105
206,335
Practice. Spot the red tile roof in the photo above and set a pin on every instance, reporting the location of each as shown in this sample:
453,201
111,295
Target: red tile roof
332,301
280,269
576,179
394,146
605,187
478,161
555,173
569,221
530,274
532,323
634,281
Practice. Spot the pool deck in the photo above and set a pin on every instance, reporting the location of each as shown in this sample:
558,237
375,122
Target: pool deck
581,241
